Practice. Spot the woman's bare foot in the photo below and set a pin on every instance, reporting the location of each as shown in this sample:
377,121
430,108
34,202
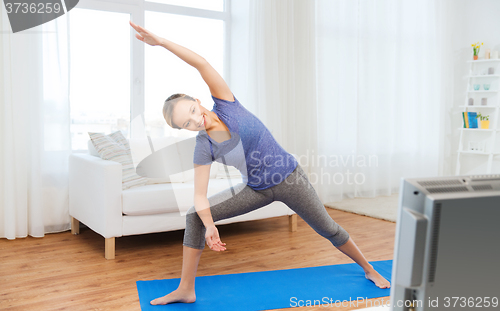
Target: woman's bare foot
376,278
178,295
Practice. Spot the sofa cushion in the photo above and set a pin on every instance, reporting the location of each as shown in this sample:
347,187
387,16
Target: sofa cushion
91,148
155,198
115,147
168,197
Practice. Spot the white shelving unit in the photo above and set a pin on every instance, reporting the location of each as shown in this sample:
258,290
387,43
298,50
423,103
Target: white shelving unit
472,161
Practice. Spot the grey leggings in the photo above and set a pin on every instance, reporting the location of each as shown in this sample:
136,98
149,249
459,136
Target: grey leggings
295,191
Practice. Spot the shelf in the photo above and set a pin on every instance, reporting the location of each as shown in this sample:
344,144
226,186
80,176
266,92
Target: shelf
485,159
476,129
484,76
484,60
478,106
473,152
479,153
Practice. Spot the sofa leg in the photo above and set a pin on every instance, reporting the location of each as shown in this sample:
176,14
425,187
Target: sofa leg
109,248
75,226
292,222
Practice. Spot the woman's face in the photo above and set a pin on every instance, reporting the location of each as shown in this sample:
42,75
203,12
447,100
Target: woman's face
190,115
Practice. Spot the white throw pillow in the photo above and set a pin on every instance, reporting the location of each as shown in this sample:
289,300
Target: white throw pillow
115,147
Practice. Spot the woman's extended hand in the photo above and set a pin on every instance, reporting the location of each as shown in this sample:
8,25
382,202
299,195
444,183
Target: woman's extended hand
146,36
213,240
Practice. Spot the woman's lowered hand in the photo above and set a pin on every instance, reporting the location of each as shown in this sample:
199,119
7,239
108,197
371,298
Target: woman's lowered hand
213,240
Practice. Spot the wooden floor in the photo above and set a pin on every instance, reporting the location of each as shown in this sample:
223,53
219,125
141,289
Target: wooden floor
68,272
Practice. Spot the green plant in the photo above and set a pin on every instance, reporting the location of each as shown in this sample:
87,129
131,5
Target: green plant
482,118
476,47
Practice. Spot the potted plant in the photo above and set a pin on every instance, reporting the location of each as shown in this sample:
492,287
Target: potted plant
485,123
476,47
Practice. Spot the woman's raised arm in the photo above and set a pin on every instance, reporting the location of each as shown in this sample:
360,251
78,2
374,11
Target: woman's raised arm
216,84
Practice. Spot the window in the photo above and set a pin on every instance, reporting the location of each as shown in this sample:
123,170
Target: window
166,74
115,78
216,5
99,74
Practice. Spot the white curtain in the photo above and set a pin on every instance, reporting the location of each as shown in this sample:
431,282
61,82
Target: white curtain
355,88
34,129
281,74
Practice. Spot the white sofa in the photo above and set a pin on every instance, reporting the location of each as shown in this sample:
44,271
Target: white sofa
97,200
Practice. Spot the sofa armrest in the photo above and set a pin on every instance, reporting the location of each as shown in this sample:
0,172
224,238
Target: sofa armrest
95,193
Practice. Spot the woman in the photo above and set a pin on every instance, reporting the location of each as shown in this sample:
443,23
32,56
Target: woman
231,133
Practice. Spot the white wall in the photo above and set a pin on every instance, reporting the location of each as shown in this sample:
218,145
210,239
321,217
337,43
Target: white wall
471,21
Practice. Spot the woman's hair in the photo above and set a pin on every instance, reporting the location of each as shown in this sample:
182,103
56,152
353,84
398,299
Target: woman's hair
169,105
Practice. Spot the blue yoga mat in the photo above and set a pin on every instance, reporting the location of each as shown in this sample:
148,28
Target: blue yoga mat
275,289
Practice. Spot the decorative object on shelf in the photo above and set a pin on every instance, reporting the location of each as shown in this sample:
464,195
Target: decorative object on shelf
471,101
476,47
477,146
481,146
494,54
484,101
476,87
487,54
470,119
486,86
473,146
485,123
491,71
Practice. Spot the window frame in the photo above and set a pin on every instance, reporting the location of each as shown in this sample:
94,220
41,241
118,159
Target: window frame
137,9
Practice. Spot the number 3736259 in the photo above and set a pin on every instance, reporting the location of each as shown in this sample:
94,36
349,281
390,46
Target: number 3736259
480,302
32,8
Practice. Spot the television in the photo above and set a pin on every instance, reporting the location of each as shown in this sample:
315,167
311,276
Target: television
447,245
